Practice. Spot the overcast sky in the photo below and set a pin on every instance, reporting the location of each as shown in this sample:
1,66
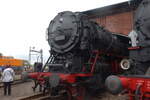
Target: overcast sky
23,23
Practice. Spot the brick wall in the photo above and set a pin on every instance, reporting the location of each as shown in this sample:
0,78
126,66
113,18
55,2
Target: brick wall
119,23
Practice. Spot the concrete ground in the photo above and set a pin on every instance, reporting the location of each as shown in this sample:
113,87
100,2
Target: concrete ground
25,89
19,90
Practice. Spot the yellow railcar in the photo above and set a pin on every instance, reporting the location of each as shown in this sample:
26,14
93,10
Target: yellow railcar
12,62
16,64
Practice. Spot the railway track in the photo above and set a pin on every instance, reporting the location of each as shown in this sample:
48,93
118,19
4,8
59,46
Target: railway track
104,96
39,96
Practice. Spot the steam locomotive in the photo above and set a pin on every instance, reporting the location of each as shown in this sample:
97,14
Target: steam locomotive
82,55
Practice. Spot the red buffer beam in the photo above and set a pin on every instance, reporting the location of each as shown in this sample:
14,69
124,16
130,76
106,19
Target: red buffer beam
137,87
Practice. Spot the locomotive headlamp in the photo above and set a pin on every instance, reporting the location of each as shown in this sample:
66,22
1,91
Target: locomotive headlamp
125,64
